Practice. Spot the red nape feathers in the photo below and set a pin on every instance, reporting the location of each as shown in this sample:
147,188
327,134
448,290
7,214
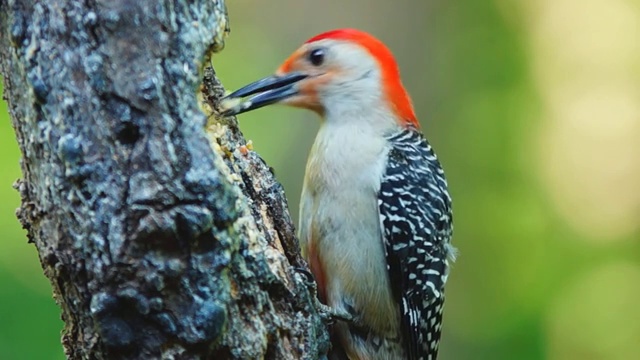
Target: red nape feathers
395,91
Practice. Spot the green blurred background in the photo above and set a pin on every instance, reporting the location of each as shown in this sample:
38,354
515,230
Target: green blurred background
534,109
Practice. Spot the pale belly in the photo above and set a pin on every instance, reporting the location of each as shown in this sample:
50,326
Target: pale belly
342,241
340,229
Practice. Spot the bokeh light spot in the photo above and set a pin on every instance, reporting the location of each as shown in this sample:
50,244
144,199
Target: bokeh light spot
596,317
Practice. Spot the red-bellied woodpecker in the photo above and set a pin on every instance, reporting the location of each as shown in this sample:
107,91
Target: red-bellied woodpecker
375,218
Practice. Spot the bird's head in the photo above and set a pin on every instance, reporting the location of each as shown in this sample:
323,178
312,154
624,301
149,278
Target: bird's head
337,72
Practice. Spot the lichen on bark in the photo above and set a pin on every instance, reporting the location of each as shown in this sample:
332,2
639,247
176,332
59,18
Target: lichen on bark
162,236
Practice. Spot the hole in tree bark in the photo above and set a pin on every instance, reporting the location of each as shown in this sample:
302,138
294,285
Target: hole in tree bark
128,133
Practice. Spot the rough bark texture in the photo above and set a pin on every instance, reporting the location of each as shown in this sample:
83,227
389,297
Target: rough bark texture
161,239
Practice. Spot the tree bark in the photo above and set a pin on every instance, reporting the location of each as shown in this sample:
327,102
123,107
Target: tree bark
162,234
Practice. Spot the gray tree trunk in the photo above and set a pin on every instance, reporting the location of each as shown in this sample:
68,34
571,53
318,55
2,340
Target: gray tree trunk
163,237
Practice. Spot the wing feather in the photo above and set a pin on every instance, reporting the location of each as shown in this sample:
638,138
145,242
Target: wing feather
416,221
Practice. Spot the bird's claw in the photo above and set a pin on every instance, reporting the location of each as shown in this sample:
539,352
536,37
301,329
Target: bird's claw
307,274
332,314
326,312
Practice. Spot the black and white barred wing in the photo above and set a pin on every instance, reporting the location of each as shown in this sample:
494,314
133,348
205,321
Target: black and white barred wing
415,215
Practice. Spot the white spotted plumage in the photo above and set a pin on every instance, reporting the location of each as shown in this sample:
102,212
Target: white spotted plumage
415,217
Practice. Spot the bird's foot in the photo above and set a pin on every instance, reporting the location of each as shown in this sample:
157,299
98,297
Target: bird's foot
332,315
326,312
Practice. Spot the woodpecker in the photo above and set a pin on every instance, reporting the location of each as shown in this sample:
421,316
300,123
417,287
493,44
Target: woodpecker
375,212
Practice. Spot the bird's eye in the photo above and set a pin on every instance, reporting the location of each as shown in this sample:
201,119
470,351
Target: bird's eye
316,57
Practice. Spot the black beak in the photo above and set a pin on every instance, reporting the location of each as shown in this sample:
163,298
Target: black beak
270,90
